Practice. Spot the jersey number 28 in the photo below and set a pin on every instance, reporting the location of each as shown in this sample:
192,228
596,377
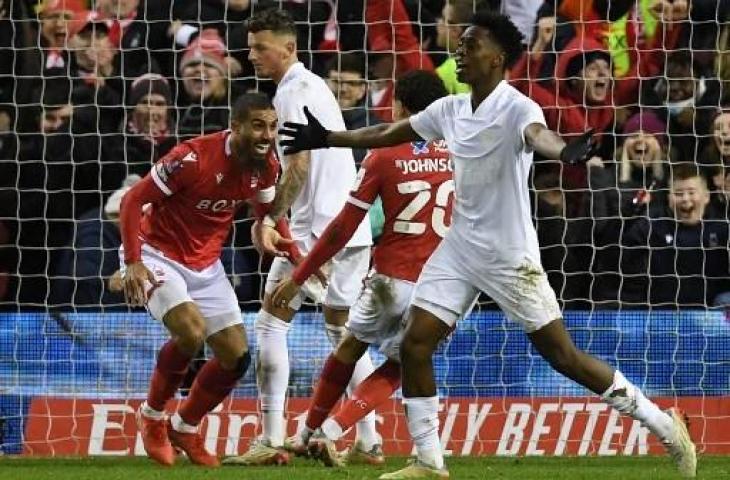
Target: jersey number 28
422,189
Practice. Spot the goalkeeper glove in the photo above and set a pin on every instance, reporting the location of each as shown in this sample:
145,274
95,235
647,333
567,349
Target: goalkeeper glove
304,136
580,150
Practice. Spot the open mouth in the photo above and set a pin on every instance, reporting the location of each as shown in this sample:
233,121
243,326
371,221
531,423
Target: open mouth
262,148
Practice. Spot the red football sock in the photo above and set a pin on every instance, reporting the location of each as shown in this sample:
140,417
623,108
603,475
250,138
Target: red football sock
371,392
169,372
331,385
211,386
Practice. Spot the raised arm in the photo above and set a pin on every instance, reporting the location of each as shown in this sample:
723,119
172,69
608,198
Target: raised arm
312,135
549,144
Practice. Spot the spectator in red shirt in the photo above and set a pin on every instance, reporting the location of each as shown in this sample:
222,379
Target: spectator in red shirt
397,49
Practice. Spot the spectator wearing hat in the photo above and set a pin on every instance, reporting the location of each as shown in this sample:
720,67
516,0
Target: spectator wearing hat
79,275
138,30
60,20
632,185
98,87
148,132
204,73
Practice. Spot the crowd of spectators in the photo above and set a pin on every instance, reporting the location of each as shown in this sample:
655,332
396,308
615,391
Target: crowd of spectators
92,93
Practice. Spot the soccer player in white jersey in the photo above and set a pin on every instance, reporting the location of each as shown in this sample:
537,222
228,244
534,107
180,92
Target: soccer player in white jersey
315,186
492,245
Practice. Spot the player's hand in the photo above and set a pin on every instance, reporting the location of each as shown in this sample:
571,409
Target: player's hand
272,243
580,150
114,284
304,136
284,292
133,283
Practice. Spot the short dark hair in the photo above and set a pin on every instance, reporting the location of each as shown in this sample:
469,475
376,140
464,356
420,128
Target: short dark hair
278,21
418,89
247,102
346,62
503,31
685,171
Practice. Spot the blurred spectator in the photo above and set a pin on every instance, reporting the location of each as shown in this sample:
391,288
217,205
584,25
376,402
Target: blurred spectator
346,79
564,242
679,260
717,151
720,196
228,18
98,87
59,21
138,29
451,24
633,185
523,14
690,102
42,202
582,98
82,270
204,73
148,132
394,50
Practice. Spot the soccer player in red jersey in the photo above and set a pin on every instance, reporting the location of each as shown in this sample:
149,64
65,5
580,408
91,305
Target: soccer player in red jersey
170,251
414,181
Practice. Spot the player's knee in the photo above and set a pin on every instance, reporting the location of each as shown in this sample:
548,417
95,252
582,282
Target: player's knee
239,364
350,349
413,349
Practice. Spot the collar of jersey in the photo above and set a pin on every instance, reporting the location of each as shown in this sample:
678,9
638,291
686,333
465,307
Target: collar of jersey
290,74
489,100
227,144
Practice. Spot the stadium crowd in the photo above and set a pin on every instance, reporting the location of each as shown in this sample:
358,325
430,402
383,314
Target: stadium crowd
92,94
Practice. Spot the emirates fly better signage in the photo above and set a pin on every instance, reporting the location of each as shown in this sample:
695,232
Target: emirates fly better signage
490,426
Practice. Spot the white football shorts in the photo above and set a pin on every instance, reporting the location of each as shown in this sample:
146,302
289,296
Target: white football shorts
209,289
450,284
378,316
345,274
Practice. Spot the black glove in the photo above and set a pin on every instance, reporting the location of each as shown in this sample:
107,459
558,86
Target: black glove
580,150
309,136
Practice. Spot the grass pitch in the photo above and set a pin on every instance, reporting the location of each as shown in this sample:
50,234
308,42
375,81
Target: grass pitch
487,468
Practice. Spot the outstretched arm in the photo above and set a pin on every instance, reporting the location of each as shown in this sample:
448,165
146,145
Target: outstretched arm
313,135
549,144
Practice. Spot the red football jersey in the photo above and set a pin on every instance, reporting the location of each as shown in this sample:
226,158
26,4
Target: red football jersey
204,188
415,183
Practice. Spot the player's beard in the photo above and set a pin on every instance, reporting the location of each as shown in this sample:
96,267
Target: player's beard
247,157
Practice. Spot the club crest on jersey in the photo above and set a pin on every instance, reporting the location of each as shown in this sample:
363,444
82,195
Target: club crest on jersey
420,147
218,178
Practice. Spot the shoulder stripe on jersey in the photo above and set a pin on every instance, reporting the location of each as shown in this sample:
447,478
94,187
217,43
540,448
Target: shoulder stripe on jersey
359,203
158,181
266,195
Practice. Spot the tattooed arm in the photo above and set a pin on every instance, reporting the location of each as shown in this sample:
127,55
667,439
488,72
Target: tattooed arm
291,183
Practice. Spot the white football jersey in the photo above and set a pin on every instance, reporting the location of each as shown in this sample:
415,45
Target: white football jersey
492,218
331,170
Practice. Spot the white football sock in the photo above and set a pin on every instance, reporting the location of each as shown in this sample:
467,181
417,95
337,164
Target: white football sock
367,433
332,429
150,412
629,400
423,424
272,375
179,425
